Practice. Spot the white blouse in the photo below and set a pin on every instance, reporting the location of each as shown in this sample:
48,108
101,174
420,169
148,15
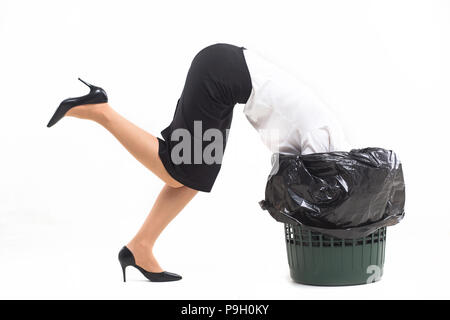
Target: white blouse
288,115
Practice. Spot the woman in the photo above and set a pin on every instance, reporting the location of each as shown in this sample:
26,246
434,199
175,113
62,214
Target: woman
188,157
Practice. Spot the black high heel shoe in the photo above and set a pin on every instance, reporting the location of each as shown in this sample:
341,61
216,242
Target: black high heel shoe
126,259
96,95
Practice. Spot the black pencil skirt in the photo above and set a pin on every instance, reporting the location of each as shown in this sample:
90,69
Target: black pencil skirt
217,80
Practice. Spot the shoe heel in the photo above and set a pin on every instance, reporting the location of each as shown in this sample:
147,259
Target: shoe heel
88,84
124,273
126,259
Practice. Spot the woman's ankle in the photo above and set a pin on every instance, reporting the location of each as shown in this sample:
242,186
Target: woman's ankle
140,246
143,255
102,114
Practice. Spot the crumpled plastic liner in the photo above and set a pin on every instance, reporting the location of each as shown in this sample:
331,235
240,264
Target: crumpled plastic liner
345,195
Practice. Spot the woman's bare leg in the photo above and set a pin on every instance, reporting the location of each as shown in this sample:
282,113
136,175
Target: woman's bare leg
169,203
141,144
144,147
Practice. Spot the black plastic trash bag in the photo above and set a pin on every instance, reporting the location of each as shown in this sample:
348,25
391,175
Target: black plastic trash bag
341,194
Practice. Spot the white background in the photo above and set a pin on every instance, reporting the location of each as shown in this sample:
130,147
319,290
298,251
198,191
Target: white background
71,196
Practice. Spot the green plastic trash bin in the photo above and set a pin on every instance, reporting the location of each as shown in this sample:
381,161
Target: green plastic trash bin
317,259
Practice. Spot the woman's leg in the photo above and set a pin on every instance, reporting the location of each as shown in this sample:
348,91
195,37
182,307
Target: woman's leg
144,147
169,203
141,144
